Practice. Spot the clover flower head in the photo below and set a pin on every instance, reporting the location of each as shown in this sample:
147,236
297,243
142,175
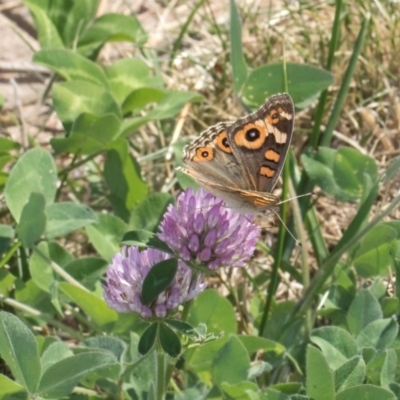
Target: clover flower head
124,283
200,229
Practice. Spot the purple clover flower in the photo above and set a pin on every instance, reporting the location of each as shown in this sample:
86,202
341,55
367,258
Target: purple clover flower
124,282
201,230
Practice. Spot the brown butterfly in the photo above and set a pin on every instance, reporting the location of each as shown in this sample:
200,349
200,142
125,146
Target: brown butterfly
241,161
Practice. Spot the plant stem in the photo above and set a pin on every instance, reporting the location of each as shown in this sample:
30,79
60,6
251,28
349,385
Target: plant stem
59,270
160,370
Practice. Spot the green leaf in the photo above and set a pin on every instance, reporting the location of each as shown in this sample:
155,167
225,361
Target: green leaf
139,98
350,373
54,353
63,218
112,27
6,236
231,363
378,289
319,168
271,394
238,62
353,172
47,32
35,172
288,387
9,389
112,344
29,293
72,66
389,369
19,350
73,98
148,214
374,256
129,189
180,326
106,235
364,309
131,125
217,313
345,174
148,338
69,17
305,82
87,270
378,334
392,170
172,103
390,306
89,134
343,290
169,341
137,238
256,343
41,272
129,74
7,282
7,145
213,310
5,159
33,220
143,238
375,367
365,392
158,280
240,390
168,107
368,354
319,378
280,321
61,378
336,344
395,388
95,307
3,179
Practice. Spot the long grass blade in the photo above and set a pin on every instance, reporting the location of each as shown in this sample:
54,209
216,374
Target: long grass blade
178,42
344,88
320,109
238,62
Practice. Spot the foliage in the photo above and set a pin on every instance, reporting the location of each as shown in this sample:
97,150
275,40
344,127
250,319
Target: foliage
345,347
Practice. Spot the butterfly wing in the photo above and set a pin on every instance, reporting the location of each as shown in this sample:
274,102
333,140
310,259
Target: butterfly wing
211,159
261,141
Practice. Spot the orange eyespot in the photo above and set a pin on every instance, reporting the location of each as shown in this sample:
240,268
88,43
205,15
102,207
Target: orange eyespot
273,117
204,154
252,136
221,141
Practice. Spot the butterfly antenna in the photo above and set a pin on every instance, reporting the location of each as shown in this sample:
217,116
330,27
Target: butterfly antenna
296,197
288,230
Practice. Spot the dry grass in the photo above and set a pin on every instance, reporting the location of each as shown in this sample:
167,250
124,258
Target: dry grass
301,31
371,117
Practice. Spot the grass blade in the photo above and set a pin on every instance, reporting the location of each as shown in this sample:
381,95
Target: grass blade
319,112
344,88
238,62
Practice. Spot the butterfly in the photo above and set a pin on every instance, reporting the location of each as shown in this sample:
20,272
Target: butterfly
240,162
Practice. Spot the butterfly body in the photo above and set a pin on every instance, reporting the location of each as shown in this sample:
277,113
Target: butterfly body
241,161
